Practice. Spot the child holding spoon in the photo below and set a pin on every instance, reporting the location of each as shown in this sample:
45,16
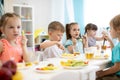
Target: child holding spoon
113,73
90,30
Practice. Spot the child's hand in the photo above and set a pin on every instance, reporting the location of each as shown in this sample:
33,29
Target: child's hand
98,47
74,41
104,33
60,45
24,41
99,74
107,38
85,39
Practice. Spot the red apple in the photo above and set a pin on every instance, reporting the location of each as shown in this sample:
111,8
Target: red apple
11,65
5,74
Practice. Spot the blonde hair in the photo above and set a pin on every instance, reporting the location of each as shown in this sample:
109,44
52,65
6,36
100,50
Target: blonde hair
115,22
55,25
4,19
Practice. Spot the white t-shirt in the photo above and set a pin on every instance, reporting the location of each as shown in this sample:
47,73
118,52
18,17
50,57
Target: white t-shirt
52,52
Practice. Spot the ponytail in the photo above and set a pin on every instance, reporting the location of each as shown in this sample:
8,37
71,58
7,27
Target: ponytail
0,34
68,31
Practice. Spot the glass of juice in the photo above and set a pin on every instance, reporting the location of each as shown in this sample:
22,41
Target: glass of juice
103,47
89,53
76,51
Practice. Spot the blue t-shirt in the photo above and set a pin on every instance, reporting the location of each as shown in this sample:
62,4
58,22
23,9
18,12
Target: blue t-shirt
79,45
116,55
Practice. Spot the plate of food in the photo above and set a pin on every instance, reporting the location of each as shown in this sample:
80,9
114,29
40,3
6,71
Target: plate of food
74,64
24,65
69,56
46,69
104,56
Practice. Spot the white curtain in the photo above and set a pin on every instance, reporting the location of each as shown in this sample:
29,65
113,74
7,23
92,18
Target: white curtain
57,13
70,10
100,12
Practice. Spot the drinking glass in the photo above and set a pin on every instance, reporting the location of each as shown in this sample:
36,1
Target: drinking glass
89,53
35,58
76,51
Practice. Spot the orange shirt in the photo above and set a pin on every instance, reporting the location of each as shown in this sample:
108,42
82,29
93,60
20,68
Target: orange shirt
11,52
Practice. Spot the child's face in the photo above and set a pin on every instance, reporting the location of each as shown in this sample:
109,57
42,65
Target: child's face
75,31
55,35
12,28
113,32
92,33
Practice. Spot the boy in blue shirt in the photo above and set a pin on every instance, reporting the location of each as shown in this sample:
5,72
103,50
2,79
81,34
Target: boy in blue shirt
113,73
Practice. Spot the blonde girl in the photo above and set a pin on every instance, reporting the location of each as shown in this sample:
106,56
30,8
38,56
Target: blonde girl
12,45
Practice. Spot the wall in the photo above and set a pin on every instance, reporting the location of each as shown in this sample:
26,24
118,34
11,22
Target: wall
42,12
8,5
45,11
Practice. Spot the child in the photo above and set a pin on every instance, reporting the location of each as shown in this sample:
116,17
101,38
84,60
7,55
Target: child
12,45
74,40
90,31
53,47
113,73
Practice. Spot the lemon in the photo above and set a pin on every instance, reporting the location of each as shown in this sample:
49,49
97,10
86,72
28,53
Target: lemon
17,76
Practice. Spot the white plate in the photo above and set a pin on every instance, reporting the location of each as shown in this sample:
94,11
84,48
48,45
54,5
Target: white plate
99,58
70,57
45,71
21,66
25,67
76,67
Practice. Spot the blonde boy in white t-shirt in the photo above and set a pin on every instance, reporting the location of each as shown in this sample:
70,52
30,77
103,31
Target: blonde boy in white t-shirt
53,47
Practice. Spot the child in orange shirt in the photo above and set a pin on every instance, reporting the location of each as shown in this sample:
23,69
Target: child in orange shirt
12,45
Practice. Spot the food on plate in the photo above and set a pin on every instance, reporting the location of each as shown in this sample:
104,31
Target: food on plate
103,56
28,64
106,55
68,55
36,62
24,65
74,63
48,67
76,53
